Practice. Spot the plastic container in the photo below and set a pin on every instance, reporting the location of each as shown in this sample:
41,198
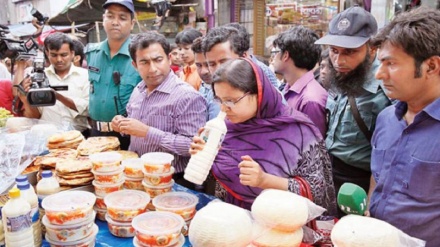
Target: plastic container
158,228
124,205
104,189
181,203
133,184
86,242
100,213
120,229
154,191
109,177
180,243
133,167
17,222
48,185
28,193
69,207
157,162
106,161
100,203
157,179
69,233
200,164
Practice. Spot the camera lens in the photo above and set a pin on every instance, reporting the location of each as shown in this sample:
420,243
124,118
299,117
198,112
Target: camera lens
41,97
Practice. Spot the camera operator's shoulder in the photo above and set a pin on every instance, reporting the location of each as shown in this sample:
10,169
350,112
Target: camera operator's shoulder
90,47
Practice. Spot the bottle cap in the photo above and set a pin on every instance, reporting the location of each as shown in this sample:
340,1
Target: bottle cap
23,185
46,174
14,193
221,114
21,178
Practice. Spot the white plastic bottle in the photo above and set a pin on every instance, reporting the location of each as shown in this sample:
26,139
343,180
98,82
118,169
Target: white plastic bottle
200,164
47,186
17,222
28,194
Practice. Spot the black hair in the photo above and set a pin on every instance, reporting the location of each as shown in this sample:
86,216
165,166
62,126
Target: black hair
78,47
197,46
187,36
239,74
144,40
245,38
55,40
219,35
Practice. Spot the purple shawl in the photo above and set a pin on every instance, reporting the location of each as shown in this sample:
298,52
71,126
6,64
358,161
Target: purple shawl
282,140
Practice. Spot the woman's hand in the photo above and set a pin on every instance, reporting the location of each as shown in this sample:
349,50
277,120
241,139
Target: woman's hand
198,143
251,173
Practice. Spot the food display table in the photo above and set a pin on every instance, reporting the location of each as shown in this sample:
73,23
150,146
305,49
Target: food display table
106,239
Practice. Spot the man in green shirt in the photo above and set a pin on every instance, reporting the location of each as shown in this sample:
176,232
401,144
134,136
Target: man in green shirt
112,76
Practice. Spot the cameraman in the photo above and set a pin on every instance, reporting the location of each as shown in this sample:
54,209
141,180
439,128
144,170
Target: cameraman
72,105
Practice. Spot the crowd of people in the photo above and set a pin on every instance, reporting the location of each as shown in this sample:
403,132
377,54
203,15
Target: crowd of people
357,105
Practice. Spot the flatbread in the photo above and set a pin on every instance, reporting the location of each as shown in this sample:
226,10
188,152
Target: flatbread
127,154
75,175
65,136
47,161
98,144
72,166
67,153
74,182
67,144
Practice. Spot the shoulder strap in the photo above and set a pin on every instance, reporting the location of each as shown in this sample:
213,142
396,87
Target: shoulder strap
360,122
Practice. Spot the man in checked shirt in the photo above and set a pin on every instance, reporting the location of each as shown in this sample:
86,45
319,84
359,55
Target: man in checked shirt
164,112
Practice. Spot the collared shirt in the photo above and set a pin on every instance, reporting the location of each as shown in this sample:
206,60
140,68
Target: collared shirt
405,164
207,93
266,70
309,97
107,99
174,111
344,138
77,80
190,75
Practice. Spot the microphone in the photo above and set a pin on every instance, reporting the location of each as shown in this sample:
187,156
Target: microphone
352,199
116,78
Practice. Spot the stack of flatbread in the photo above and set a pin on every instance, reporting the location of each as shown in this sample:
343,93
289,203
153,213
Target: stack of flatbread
49,161
74,173
68,139
98,144
127,154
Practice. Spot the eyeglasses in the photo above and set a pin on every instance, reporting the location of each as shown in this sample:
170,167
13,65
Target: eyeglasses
230,103
274,52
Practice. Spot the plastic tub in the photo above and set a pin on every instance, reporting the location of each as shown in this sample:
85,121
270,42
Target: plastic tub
181,242
133,167
86,242
109,177
157,190
156,179
100,213
106,161
157,162
124,205
119,229
69,233
100,203
104,189
158,228
181,203
69,207
133,184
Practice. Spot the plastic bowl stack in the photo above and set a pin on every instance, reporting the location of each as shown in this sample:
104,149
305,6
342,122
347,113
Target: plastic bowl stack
69,219
158,229
133,174
181,203
158,174
108,173
122,207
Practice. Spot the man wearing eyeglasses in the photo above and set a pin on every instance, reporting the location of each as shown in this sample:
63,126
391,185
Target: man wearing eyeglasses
112,77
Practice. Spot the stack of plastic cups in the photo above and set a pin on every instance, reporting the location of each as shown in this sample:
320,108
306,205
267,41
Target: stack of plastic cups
158,174
181,203
109,177
133,174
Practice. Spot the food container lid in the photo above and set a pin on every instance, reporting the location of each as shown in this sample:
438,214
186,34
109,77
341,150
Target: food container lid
116,184
160,222
77,242
136,163
106,157
69,201
157,158
88,220
163,186
119,170
180,243
99,210
127,199
171,172
116,223
175,201
133,179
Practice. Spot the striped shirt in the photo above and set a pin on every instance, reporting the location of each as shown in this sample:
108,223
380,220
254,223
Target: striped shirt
174,111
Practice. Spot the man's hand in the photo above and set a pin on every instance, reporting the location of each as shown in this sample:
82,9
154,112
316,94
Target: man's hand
133,127
251,173
115,122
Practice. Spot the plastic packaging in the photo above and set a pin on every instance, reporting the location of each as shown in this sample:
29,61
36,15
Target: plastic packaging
17,222
106,161
28,194
157,162
119,229
133,184
85,242
200,164
157,179
111,177
154,191
69,233
48,185
180,243
104,189
133,167
124,205
181,203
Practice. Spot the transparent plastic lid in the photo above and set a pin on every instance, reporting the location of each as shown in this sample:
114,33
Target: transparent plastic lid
181,242
76,243
46,223
127,199
176,200
157,158
160,222
69,201
162,186
134,163
106,157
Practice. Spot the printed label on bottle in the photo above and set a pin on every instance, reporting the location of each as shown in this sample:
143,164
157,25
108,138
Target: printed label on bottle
18,223
205,136
35,214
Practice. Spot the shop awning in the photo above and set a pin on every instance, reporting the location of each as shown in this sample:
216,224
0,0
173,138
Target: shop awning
27,29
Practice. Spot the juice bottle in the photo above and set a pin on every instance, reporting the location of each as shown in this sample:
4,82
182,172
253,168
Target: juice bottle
28,194
47,186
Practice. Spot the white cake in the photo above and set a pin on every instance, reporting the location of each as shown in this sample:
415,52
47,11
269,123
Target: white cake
267,237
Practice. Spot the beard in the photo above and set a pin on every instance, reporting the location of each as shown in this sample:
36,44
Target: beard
350,83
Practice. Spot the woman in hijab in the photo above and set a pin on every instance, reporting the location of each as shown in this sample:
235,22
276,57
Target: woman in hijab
267,143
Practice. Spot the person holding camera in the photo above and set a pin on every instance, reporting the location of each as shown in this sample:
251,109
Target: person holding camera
71,106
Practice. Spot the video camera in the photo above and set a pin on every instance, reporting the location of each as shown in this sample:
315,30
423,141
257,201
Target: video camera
40,17
16,49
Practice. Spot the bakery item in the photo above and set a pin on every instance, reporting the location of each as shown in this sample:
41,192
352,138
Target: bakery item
98,144
268,237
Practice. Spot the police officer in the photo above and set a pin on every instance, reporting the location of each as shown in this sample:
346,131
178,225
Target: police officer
112,77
